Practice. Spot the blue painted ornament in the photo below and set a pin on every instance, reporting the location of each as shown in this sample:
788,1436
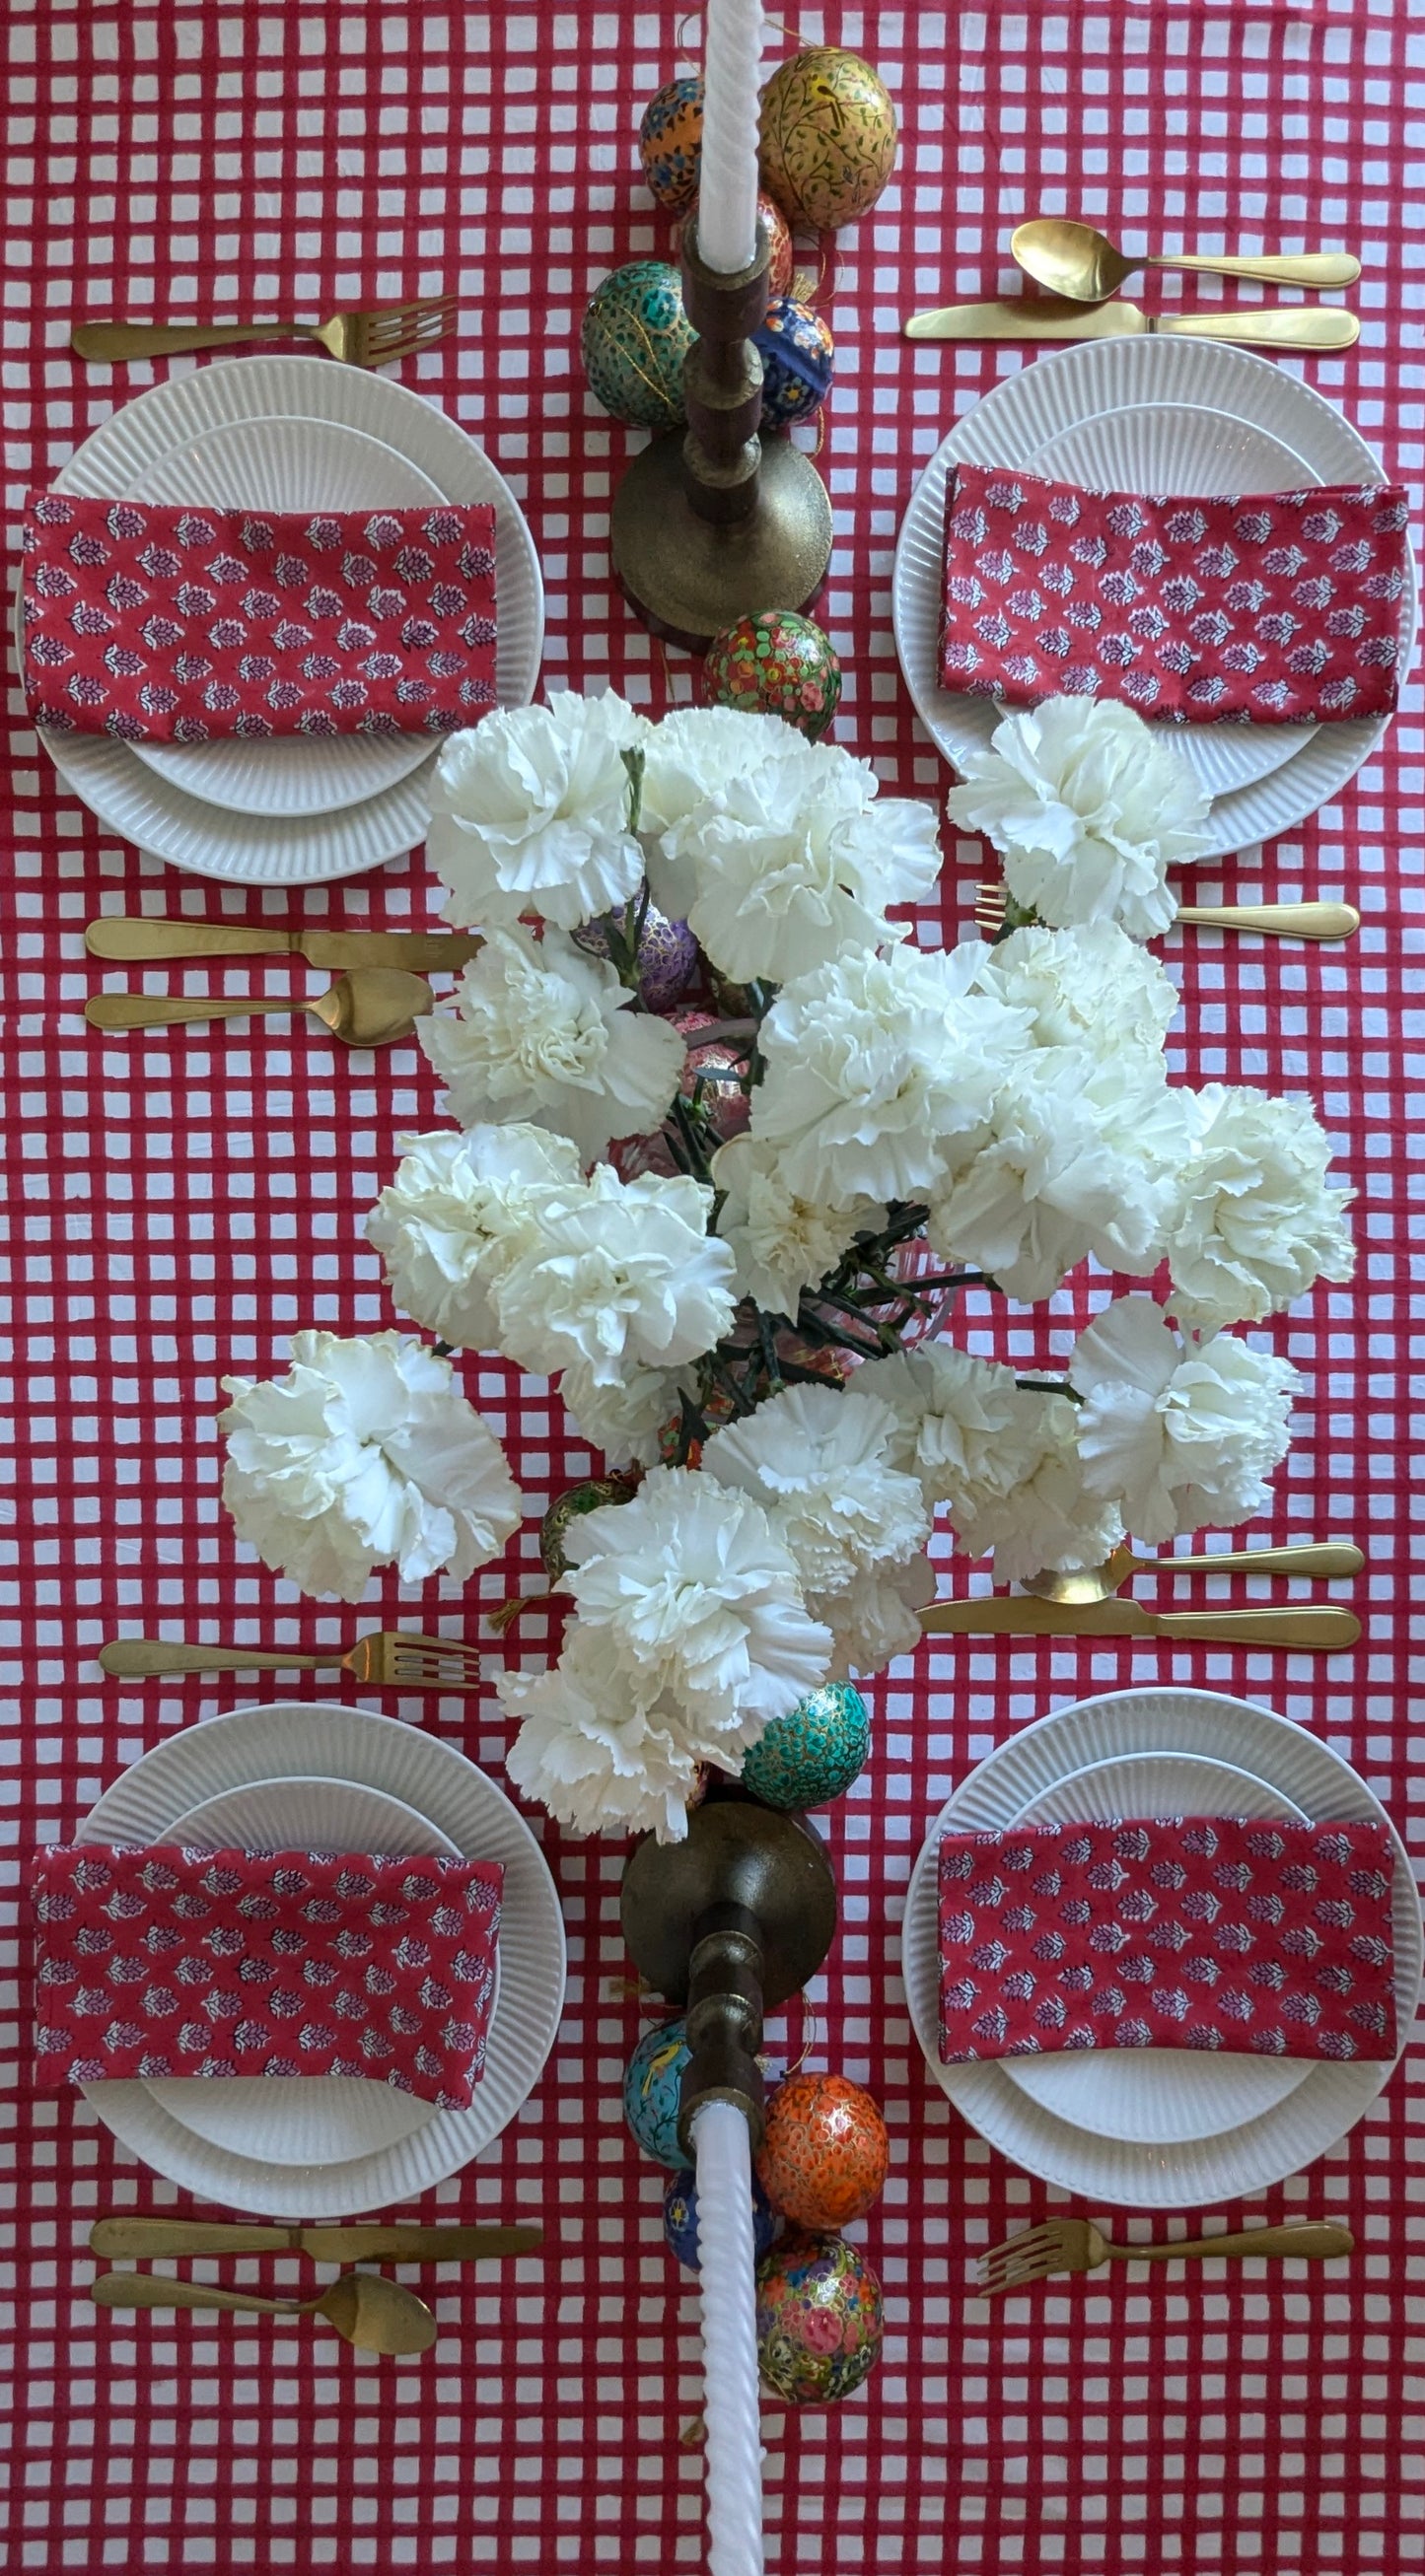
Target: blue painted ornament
811,1756
680,2219
652,2091
798,355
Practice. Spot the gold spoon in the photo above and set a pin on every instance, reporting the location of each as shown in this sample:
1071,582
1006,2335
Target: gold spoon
1098,1582
366,2309
364,1008
1074,260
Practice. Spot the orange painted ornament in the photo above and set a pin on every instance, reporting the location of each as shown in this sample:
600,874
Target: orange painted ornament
823,2160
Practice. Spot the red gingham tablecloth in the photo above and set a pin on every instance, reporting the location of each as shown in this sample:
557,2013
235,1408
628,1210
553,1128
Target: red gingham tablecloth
178,1204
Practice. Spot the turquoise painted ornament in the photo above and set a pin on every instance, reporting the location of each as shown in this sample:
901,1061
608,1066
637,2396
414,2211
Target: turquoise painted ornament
775,663
635,338
670,143
811,1756
652,2091
798,355
819,2318
680,2219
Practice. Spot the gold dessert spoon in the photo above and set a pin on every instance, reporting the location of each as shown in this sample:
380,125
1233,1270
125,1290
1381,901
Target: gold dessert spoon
1099,1582
1074,260
365,1008
365,2308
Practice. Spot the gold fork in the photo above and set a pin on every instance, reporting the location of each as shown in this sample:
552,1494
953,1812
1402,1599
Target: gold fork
1075,2245
375,339
392,1658
1274,920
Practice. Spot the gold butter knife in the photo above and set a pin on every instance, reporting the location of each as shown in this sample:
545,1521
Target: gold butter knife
1328,1630
120,936
1049,317
141,2237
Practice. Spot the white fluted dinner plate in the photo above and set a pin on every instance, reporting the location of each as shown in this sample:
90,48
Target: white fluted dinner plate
286,465
312,2119
310,1739
1189,2173
311,849
1191,416
1155,2096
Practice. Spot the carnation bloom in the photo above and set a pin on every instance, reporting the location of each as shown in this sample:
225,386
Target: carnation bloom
875,1616
1180,1434
694,755
1257,1221
697,1596
591,1750
1091,986
962,1425
1046,1517
873,1063
364,1454
531,812
458,1212
617,1274
546,1033
623,1420
780,1243
1089,807
817,1460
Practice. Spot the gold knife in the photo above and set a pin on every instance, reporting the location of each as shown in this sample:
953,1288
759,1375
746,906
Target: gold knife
1327,1630
122,937
1052,317
150,2236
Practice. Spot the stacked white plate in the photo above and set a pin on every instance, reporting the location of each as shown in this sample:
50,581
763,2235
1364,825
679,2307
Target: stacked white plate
291,433
1151,416
325,1778
1156,2128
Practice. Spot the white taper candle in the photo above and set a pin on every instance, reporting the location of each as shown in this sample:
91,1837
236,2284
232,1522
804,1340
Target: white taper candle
726,2263
727,184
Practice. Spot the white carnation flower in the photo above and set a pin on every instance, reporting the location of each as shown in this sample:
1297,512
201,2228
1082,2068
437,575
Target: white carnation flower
875,1616
364,1454
1089,807
1046,1518
1257,1222
697,1595
1180,1434
962,1425
780,1243
818,1462
624,1420
794,864
591,1750
458,1212
1080,1157
1091,987
546,1033
618,1274
694,756
873,1063
531,812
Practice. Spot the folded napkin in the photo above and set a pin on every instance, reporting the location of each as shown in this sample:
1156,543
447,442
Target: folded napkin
1187,1932
1260,608
157,624
172,1962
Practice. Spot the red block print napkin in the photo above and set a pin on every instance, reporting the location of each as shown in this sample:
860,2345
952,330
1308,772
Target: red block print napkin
1261,608
1188,1932
173,1962
157,624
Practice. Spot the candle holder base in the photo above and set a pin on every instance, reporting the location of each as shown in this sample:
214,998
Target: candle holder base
737,1854
688,579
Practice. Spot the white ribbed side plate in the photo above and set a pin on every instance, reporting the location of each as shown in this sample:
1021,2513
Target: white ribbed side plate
1175,415
305,850
305,1740
1190,2173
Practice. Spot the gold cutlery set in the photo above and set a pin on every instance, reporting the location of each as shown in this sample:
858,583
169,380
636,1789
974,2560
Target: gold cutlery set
375,339
377,997
365,2308
1083,1604
1082,270
1076,2245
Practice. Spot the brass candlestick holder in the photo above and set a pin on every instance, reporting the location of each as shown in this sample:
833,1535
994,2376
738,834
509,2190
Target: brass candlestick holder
719,523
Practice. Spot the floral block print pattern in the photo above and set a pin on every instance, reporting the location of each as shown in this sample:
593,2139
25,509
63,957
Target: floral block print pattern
172,1962
1188,1932
1251,608
159,624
